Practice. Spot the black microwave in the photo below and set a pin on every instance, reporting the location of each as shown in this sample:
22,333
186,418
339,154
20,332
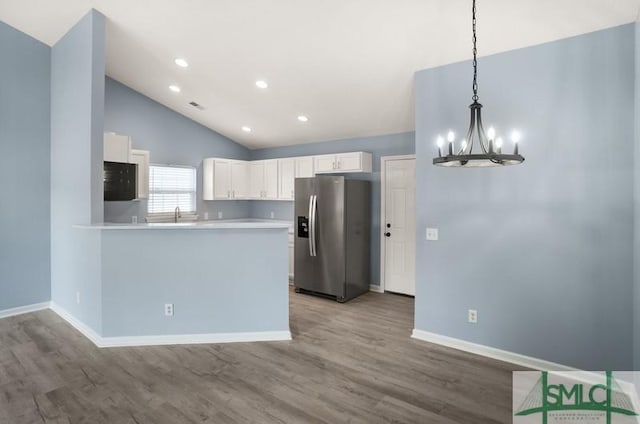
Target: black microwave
120,181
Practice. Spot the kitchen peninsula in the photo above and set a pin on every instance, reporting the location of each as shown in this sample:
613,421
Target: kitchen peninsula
204,282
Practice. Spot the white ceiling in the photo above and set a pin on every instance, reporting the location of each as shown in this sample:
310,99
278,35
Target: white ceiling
346,64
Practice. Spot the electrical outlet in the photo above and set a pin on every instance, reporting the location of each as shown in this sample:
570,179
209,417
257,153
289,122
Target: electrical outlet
273,215
219,215
78,298
168,309
134,219
473,316
206,216
432,234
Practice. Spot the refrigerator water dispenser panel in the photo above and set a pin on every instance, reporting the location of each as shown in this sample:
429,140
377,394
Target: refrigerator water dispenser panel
303,227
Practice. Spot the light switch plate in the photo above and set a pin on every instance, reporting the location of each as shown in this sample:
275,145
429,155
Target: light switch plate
432,234
219,215
206,216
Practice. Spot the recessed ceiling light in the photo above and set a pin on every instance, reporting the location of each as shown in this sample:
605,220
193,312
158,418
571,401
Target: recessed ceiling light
302,118
261,84
246,129
181,63
174,88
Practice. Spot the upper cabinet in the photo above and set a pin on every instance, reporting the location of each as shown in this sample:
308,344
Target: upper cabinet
304,167
117,148
141,158
342,162
263,179
272,179
224,179
288,170
286,178
239,181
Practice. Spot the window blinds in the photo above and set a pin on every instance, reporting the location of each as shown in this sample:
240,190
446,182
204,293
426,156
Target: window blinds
171,186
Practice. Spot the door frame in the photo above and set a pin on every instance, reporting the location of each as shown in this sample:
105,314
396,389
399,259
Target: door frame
383,208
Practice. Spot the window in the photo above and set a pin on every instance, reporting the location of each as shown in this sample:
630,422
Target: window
171,186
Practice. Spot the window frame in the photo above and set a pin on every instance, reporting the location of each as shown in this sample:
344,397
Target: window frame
158,216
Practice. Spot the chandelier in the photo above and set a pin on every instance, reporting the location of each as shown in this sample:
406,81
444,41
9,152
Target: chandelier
491,153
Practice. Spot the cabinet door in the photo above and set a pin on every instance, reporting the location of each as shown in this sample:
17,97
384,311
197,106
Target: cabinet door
325,163
117,148
304,167
286,175
256,180
349,162
221,179
207,179
141,158
239,184
271,179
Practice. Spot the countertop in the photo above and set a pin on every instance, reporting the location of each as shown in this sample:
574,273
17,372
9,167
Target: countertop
194,225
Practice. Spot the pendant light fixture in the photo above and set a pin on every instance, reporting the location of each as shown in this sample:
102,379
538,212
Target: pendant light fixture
491,146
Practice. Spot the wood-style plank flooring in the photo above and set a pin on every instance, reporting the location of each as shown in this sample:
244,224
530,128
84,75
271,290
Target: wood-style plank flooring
348,363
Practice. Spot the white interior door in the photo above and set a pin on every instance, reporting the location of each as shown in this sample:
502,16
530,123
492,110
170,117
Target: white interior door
400,226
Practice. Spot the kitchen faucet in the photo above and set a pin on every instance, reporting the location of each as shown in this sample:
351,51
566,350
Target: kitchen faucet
176,214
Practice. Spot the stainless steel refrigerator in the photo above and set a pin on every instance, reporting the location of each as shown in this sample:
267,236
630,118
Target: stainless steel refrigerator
332,236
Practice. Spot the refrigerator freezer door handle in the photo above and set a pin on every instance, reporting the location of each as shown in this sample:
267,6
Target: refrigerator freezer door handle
313,225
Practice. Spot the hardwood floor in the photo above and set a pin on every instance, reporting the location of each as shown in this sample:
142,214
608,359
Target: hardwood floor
348,363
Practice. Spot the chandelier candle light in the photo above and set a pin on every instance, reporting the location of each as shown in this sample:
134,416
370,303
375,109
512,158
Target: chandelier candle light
490,145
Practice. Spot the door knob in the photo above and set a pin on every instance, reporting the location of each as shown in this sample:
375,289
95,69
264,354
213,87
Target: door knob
387,234
388,225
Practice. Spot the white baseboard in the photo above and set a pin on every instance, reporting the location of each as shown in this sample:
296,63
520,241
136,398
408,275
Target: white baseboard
86,331
376,288
6,313
490,352
259,336
99,341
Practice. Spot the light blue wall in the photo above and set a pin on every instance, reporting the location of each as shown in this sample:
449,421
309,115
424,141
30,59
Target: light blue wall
211,292
544,250
385,145
636,238
77,101
172,139
25,71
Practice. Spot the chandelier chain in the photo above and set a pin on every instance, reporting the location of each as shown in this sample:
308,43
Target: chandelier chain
475,53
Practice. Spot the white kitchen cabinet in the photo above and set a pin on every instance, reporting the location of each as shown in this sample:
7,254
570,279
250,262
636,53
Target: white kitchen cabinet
239,180
117,148
263,179
141,158
286,178
304,167
288,170
224,179
324,163
343,162
271,179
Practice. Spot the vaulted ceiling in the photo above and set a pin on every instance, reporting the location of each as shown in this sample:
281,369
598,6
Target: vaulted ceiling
347,65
